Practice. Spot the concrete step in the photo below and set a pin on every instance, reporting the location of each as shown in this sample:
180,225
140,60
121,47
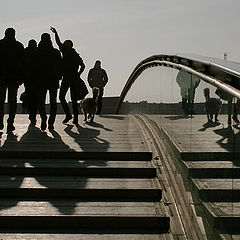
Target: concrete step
74,167
211,169
118,156
45,187
64,215
216,190
224,216
100,235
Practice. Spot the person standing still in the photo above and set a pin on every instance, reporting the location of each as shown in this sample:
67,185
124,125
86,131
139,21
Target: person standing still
31,84
71,72
49,73
12,61
97,77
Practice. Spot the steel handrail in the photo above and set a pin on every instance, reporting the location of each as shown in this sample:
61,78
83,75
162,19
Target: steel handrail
155,61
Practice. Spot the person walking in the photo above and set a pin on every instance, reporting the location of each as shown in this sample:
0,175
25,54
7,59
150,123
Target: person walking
49,73
188,84
97,77
11,75
31,84
71,72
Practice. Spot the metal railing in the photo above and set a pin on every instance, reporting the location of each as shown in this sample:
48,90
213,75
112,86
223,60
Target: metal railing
198,69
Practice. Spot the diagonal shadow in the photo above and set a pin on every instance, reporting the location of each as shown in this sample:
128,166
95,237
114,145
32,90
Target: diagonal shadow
178,117
207,125
10,181
88,139
34,139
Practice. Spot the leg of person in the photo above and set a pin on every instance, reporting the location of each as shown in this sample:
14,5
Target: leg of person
99,101
33,104
235,112
3,90
229,112
53,108
12,101
41,106
63,90
74,105
184,95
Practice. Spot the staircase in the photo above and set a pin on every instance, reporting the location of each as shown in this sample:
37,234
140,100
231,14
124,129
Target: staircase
216,183
80,193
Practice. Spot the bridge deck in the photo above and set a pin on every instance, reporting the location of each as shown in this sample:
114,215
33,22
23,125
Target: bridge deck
109,133
196,135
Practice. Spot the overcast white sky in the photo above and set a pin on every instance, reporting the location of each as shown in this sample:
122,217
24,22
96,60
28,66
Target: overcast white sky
121,33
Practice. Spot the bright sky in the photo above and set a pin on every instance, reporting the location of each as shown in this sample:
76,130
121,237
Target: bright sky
121,33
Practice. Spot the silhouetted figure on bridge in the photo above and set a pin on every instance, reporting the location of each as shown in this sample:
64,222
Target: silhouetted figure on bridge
31,83
71,73
97,77
48,75
11,74
187,83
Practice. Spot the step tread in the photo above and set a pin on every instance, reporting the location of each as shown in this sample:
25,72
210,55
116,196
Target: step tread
117,236
223,209
50,210
70,163
216,184
210,164
70,182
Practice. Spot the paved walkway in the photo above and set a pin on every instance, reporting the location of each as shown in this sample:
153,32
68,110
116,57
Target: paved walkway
196,135
109,133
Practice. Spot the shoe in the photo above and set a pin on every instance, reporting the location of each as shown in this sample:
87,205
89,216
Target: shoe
43,125
10,128
66,119
235,119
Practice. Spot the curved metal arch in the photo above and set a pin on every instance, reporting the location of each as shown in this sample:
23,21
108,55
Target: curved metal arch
214,73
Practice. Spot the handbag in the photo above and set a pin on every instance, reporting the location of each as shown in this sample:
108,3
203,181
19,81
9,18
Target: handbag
79,89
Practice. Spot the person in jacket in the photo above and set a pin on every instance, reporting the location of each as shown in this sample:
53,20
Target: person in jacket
73,67
97,77
31,83
187,83
49,73
12,64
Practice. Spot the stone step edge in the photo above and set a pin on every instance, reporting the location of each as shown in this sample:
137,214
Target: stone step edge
118,194
98,221
146,172
123,156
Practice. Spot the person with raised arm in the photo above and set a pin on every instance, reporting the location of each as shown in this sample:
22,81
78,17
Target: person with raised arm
71,73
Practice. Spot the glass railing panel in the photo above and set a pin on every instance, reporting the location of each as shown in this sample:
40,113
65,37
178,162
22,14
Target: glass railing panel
201,121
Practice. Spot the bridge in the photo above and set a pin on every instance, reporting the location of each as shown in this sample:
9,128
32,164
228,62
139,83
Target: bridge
150,170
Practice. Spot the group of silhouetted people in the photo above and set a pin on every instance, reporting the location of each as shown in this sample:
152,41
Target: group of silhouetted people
40,67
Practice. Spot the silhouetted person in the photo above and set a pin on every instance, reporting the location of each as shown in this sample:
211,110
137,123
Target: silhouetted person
49,73
187,83
25,102
97,77
11,74
31,82
71,72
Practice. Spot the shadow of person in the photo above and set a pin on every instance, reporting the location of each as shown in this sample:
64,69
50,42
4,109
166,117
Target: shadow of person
87,139
11,181
209,125
112,117
178,117
53,180
228,138
98,125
